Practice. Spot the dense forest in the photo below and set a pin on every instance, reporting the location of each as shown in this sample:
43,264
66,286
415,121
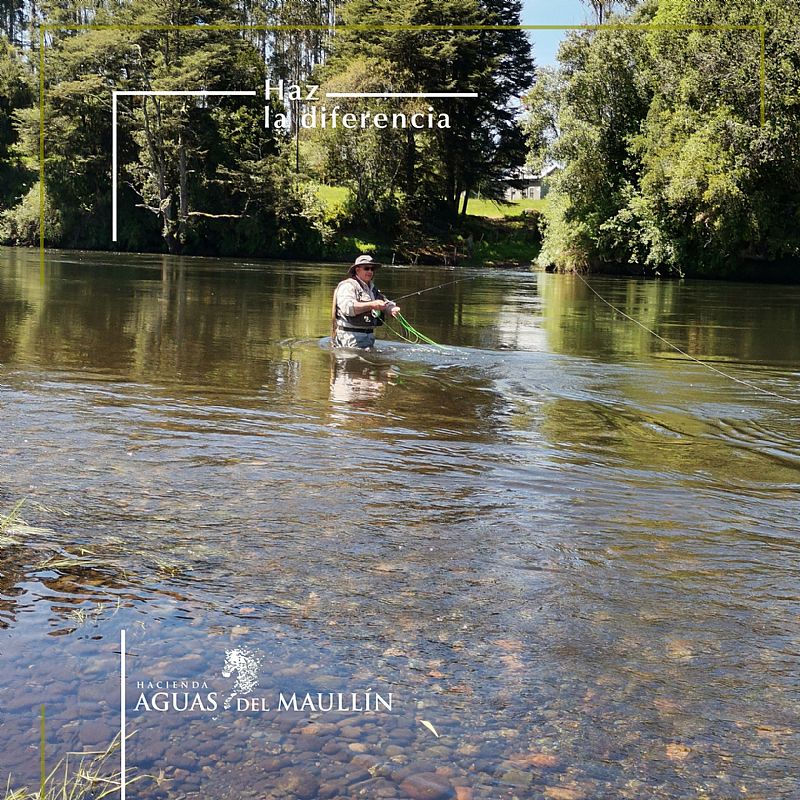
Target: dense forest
242,175
654,121
667,167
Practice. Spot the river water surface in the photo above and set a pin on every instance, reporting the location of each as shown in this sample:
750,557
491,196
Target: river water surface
565,557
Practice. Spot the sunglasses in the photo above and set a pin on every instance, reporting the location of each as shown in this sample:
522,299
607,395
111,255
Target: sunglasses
368,269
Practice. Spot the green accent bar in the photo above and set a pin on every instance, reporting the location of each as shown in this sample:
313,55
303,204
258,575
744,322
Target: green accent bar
763,74
41,153
43,776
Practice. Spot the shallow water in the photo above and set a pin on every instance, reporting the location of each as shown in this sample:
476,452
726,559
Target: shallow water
567,548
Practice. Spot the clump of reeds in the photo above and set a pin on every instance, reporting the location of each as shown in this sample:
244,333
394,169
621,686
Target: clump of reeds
78,776
14,530
6,521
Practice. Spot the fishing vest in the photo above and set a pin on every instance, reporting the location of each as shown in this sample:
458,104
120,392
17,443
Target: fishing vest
362,322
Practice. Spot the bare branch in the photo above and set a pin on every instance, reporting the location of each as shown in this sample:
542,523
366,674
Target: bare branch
144,203
155,210
216,216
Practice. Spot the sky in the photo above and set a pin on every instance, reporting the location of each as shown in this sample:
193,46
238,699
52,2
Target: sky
551,12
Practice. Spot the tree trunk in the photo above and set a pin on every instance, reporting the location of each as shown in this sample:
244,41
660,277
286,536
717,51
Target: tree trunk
297,136
169,226
450,180
183,194
411,163
455,192
165,202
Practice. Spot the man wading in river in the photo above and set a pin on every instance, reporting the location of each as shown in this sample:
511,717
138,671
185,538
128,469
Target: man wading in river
358,307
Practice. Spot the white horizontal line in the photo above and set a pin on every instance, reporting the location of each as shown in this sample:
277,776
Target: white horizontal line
183,94
401,94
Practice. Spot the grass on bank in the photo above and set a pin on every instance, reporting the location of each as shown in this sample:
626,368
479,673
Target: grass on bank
491,233
480,241
480,207
504,241
89,779
334,199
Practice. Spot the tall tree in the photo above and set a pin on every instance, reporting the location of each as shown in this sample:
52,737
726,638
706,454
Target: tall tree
12,20
205,168
602,9
16,92
584,117
442,163
667,164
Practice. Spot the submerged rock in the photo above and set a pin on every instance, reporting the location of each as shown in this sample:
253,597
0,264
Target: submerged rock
427,786
535,759
96,732
517,777
564,793
298,782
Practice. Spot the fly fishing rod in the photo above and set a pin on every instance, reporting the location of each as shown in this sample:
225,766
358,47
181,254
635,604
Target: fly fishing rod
414,335
440,286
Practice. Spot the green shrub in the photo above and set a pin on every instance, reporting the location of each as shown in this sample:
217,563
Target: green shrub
20,225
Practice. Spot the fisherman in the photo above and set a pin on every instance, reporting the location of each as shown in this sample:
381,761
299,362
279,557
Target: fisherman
358,306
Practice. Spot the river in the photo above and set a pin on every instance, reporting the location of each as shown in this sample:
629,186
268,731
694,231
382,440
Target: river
551,559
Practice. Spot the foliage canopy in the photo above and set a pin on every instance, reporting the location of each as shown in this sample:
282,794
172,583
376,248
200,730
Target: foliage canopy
666,164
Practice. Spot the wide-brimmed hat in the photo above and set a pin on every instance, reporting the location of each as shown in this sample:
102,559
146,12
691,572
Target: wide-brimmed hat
363,261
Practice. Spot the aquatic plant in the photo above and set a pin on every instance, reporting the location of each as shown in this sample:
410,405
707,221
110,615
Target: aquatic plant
14,530
6,521
89,779
169,569
94,613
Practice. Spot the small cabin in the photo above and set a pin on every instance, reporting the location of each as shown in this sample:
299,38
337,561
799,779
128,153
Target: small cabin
525,184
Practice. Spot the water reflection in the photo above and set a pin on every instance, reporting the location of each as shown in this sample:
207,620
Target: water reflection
570,552
713,321
357,380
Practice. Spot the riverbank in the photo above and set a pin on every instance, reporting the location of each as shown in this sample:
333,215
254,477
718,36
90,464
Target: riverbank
785,271
512,241
493,235
503,241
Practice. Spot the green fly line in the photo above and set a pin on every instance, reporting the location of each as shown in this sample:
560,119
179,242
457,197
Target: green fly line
686,355
414,335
